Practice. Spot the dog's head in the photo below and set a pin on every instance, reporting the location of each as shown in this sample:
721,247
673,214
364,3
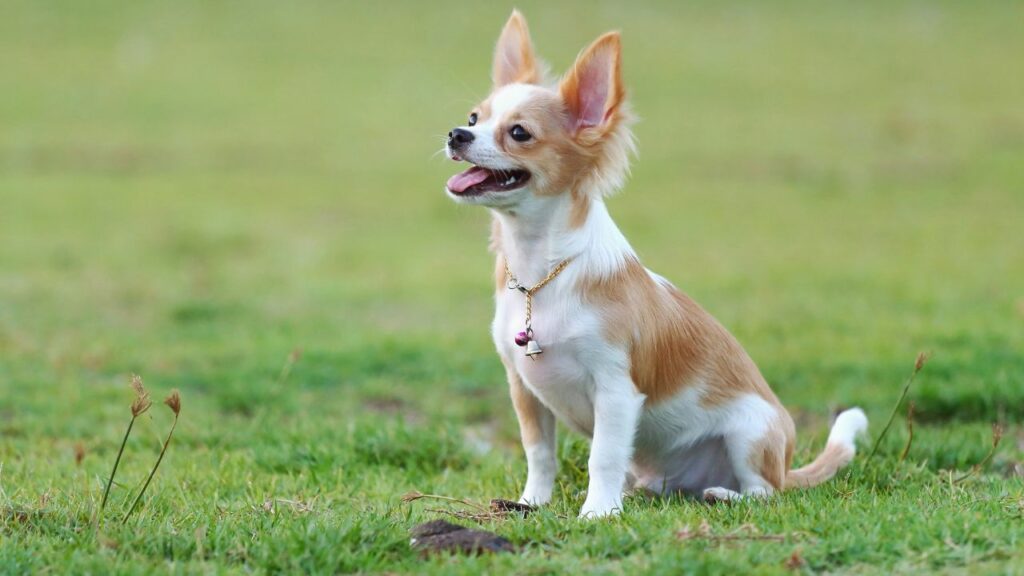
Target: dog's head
531,140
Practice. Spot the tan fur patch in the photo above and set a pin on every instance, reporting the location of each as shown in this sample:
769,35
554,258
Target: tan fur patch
673,343
773,454
483,111
528,407
579,211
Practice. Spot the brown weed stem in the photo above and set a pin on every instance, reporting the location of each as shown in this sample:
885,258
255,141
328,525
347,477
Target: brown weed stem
997,436
106,491
139,406
910,430
921,359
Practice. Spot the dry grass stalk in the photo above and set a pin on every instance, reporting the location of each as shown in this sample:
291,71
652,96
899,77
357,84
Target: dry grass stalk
498,510
795,561
286,370
270,507
997,436
297,505
495,513
480,517
200,535
139,405
910,430
173,401
744,532
416,495
922,358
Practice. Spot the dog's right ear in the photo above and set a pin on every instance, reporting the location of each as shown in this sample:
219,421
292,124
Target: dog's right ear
592,89
514,60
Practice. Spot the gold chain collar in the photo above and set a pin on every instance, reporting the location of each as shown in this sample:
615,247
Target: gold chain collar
525,338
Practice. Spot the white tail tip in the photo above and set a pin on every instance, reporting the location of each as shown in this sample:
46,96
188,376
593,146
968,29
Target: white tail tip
849,424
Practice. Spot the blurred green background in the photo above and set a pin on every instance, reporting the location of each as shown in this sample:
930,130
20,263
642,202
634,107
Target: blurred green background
189,183
192,190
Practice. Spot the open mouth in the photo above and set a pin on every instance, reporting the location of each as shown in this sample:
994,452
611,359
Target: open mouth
478,180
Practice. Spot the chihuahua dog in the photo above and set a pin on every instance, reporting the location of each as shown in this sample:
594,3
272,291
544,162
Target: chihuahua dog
588,335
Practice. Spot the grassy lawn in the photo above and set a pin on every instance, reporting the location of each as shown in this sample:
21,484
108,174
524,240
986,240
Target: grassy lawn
193,191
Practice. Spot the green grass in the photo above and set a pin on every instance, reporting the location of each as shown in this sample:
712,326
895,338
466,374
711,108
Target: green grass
192,190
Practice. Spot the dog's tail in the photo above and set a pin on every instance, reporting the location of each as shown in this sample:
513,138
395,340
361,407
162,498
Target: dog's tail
838,452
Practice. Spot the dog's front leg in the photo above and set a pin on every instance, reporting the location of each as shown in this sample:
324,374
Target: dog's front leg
537,429
617,408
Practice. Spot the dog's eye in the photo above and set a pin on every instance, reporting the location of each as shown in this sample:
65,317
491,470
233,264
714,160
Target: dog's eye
519,134
472,119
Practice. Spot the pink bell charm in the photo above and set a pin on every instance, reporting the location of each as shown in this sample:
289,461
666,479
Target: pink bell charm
522,338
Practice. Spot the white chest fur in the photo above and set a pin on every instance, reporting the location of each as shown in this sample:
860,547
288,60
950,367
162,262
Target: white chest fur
565,326
567,332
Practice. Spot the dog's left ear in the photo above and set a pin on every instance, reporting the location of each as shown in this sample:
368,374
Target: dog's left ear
513,57
592,89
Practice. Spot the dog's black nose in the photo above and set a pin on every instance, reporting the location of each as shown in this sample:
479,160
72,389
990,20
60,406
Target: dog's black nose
459,137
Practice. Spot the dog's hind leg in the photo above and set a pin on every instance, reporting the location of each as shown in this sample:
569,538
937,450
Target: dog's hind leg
759,463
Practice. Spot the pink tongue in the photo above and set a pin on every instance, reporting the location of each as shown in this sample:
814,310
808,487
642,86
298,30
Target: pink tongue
464,180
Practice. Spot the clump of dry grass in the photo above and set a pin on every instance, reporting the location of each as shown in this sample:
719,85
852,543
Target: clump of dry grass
173,401
139,405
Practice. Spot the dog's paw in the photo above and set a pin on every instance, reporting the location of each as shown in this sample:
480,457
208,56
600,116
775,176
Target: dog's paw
600,509
716,495
531,499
